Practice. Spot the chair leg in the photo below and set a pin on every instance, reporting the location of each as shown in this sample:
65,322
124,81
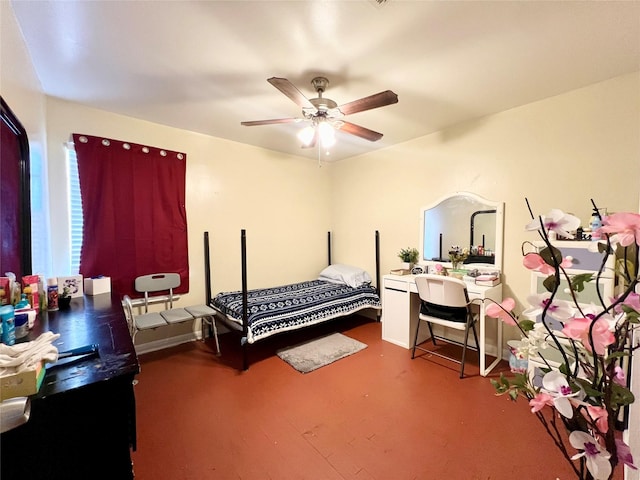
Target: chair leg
464,346
475,336
433,337
415,340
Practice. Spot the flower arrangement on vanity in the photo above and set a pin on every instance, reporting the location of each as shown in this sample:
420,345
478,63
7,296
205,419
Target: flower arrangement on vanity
457,256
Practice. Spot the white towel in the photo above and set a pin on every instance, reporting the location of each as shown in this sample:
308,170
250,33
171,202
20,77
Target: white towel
26,356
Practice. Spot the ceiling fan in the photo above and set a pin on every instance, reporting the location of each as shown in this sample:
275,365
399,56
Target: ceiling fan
324,114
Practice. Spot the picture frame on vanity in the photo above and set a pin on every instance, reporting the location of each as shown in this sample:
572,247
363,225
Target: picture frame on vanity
74,285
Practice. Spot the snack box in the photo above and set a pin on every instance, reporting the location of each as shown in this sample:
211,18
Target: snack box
22,384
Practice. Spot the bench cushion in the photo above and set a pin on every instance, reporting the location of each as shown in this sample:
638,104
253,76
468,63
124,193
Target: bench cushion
176,315
200,311
149,320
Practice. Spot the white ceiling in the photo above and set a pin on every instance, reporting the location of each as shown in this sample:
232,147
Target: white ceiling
203,65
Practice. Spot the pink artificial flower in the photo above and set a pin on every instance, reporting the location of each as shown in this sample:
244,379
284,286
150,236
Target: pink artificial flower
578,329
535,262
439,268
556,221
625,228
541,400
620,376
600,416
502,311
632,301
597,458
624,454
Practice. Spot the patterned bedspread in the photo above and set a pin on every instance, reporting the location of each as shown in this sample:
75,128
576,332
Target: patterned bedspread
289,307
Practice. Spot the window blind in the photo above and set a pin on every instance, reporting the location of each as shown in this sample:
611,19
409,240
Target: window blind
75,211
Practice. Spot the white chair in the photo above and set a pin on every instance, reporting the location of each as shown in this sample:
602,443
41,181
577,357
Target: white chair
445,302
163,285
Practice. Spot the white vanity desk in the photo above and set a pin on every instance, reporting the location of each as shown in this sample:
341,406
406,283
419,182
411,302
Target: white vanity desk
401,306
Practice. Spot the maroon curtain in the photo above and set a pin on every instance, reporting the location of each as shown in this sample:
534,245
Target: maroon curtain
133,203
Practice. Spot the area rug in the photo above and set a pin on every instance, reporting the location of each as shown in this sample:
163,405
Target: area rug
309,356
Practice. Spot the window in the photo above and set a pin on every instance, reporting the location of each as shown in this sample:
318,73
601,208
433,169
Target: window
40,227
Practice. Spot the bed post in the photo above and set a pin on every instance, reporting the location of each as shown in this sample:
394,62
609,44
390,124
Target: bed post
378,261
378,285
207,270
328,248
245,307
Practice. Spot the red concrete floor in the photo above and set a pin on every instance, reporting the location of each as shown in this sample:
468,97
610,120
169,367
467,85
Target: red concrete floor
374,415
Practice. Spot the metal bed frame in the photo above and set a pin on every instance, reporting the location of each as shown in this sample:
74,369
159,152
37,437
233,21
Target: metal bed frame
243,248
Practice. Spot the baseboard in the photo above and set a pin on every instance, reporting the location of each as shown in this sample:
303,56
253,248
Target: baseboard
167,342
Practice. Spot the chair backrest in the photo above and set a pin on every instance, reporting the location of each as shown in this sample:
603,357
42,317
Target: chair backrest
157,282
442,290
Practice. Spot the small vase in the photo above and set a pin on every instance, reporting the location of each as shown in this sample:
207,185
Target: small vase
64,303
455,265
407,265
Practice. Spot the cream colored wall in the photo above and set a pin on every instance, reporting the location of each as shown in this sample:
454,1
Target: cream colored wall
19,84
558,153
282,202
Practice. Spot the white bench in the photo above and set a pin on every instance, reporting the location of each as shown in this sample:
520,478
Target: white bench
161,283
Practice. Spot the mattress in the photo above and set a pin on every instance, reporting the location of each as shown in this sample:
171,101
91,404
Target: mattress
294,306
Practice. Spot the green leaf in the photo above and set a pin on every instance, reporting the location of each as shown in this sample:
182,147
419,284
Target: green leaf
501,386
628,310
520,381
549,253
588,389
550,283
578,281
603,248
513,394
620,395
526,325
615,355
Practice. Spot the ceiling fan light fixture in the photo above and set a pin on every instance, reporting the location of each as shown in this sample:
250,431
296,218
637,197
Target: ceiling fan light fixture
327,134
306,135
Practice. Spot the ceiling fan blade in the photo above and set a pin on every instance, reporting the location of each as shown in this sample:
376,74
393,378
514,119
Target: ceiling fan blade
290,90
269,122
361,132
367,103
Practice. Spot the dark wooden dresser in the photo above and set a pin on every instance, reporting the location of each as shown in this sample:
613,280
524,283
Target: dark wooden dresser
83,419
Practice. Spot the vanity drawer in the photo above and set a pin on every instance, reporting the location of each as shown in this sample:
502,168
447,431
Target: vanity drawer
396,284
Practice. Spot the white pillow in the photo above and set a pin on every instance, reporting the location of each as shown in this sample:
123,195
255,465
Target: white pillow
352,276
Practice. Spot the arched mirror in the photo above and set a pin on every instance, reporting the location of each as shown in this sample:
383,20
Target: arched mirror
465,220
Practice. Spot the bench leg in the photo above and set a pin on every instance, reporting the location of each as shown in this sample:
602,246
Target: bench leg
211,321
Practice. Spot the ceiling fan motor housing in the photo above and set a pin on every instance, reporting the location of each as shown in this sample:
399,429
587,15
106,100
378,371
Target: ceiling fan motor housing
320,84
322,104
